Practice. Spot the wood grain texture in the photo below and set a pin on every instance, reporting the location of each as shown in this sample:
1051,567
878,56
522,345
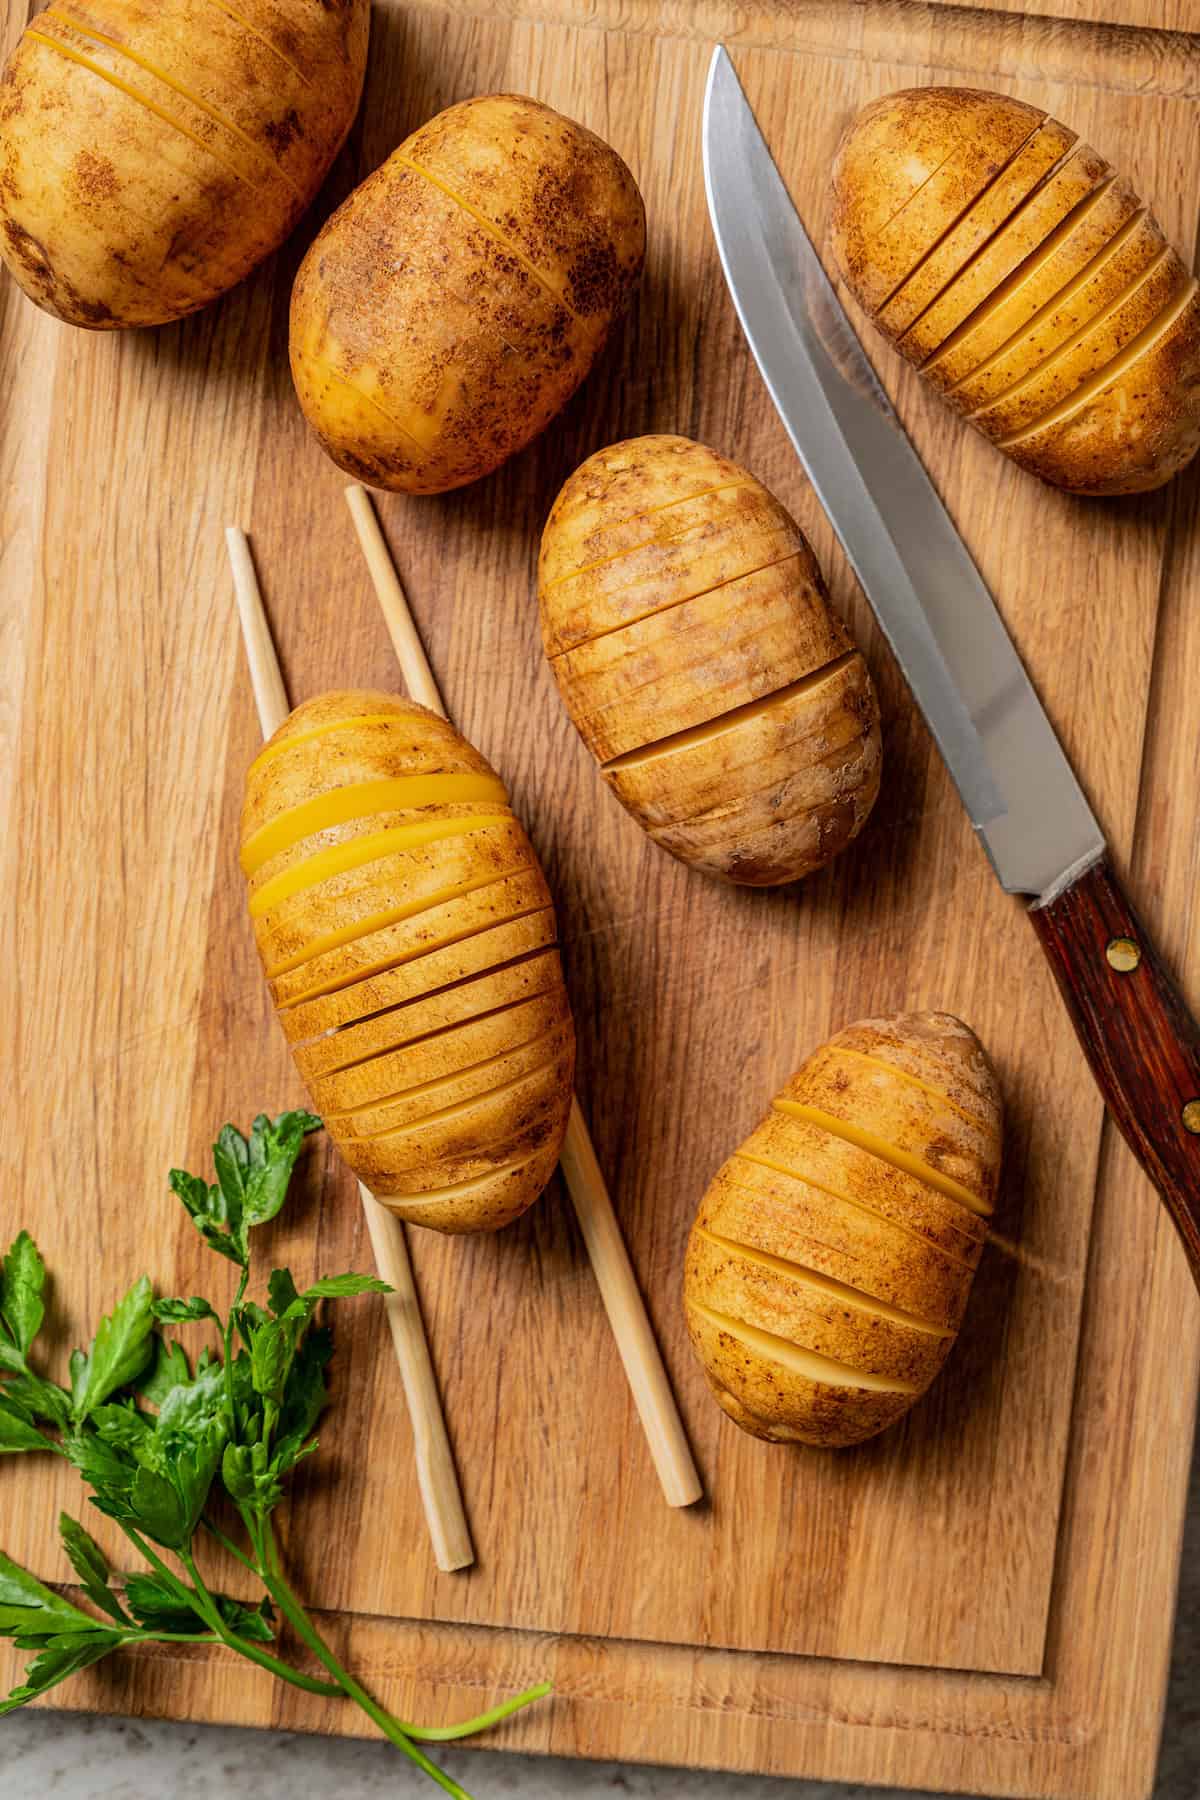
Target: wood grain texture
1141,1041
1050,1459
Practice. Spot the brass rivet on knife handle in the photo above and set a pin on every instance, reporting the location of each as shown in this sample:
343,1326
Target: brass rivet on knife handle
1137,1033
437,1478
1123,955
585,1182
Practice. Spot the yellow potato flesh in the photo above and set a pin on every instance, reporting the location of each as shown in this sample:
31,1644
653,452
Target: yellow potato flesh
415,965
813,1312
372,847
827,1236
358,800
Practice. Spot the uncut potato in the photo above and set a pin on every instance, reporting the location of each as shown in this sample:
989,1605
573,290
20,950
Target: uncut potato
153,151
409,942
833,1254
1027,282
690,633
458,298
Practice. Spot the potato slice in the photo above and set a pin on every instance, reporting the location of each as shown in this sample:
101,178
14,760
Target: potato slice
1066,194
1125,257
401,936
483,1202
395,1026
1038,156
413,1103
1135,423
786,1395
1077,243
418,975
687,664
805,762
908,167
1088,350
814,1312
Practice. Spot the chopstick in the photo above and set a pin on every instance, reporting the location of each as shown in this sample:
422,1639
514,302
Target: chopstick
437,1478
585,1182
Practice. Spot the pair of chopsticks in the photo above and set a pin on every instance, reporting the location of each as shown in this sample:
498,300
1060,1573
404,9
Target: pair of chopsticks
437,1477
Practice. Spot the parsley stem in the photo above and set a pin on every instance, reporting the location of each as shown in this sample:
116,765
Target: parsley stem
228,1544
199,1600
292,1610
445,1734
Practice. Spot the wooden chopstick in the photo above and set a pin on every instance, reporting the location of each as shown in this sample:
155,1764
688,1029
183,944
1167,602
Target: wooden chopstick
437,1477
585,1182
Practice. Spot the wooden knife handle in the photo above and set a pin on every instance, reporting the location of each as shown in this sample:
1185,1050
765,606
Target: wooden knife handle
1138,1035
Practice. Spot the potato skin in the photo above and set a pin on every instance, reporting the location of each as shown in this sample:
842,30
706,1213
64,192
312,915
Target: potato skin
855,1260
458,298
153,151
415,964
1093,380
690,634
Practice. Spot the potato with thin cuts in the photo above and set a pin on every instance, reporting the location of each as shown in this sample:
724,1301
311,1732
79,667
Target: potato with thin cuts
409,942
1027,282
832,1256
153,151
456,301
690,633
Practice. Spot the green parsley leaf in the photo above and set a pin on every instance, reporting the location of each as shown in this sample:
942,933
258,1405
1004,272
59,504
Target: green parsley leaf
59,1660
179,1312
157,1606
17,1434
35,1398
91,1565
345,1287
281,1291
252,1622
28,1609
120,1351
23,1278
272,1153
168,1370
121,1427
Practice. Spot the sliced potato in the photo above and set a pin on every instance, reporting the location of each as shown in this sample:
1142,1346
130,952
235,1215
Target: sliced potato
832,1256
409,938
690,634
1061,325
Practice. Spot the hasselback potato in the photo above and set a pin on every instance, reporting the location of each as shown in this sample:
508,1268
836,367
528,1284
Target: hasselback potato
408,938
456,301
152,151
1026,280
691,637
832,1256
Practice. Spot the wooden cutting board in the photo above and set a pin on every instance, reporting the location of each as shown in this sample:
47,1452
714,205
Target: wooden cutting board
982,1598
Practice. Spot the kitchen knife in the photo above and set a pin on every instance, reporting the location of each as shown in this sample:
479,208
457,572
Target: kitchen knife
950,641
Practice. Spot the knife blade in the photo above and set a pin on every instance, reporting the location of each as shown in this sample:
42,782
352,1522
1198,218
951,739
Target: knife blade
943,625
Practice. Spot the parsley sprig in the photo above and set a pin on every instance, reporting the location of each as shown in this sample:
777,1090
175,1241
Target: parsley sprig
159,1439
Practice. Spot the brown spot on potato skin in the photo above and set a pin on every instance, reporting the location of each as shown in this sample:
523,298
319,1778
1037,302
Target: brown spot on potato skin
146,227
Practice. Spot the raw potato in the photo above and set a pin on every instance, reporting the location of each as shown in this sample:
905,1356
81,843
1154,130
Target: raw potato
689,631
832,1256
456,301
1027,281
153,151
409,941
